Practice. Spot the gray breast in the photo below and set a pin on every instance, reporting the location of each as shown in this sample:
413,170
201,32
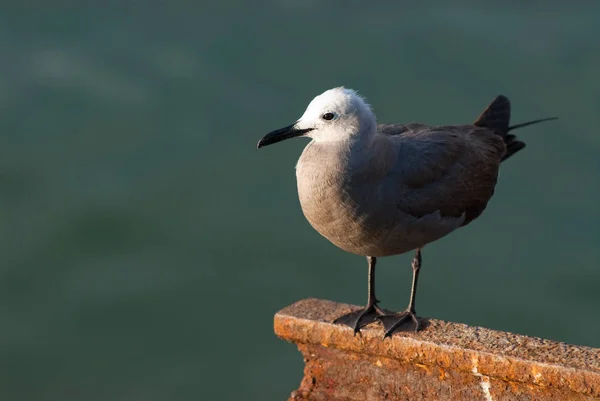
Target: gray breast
345,207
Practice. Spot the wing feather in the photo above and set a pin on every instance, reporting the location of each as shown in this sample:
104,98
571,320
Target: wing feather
450,169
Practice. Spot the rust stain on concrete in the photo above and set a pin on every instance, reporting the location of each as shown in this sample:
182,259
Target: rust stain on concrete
444,361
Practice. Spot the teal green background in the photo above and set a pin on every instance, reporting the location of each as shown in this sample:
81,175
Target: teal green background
145,243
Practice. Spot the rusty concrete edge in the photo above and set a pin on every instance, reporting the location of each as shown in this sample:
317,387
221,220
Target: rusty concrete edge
309,322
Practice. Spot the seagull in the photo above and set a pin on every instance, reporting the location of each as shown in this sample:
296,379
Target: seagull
378,190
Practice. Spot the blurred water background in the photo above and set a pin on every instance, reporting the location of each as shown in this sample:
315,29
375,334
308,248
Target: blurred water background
145,244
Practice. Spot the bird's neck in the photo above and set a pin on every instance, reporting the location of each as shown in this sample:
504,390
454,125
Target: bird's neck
367,129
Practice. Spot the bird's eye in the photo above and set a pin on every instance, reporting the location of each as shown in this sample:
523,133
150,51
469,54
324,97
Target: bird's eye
328,116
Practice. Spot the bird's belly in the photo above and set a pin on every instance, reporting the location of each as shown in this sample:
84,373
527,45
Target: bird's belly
359,226
369,226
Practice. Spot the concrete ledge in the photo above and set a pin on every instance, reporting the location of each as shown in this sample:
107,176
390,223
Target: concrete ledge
444,361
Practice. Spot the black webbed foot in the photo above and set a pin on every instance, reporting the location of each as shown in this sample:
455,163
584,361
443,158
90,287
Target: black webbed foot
358,319
394,321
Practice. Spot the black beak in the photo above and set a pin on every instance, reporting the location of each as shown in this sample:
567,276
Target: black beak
281,134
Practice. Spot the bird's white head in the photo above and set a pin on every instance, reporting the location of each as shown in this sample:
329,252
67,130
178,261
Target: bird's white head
338,114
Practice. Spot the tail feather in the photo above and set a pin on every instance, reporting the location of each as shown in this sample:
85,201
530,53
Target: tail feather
541,120
513,145
496,117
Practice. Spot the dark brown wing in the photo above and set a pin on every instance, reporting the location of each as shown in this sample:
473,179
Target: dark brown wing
452,169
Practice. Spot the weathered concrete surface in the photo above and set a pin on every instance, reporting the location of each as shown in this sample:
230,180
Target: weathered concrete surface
443,361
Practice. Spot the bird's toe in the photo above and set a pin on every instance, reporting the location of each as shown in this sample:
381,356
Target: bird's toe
393,322
358,319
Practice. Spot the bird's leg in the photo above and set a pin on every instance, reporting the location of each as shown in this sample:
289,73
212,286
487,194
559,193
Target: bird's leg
362,317
393,321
